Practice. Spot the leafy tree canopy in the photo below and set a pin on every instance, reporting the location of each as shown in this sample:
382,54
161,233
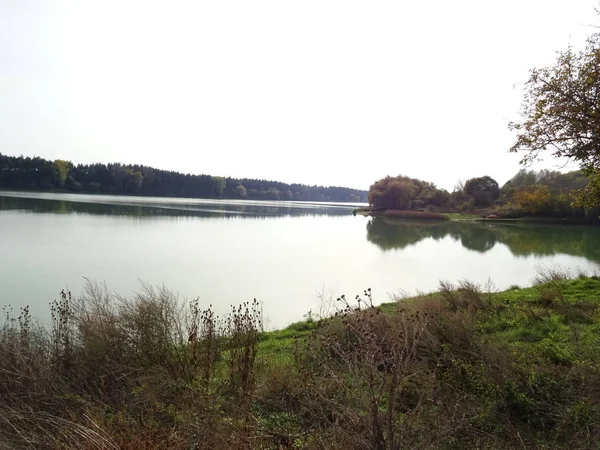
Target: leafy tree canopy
561,114
404,193
561,108
484,190
481,184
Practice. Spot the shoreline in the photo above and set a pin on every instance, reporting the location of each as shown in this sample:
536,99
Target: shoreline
519,361
462,217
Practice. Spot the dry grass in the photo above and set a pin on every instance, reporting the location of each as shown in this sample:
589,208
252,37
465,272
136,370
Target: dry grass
115,372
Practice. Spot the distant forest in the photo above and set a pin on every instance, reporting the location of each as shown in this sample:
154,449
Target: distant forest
18,172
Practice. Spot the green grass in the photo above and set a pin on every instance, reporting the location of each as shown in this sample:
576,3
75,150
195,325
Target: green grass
547,323
279,345
534,321
462,216
514,312
403,214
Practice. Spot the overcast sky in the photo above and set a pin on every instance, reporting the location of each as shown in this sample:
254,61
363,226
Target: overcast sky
318,92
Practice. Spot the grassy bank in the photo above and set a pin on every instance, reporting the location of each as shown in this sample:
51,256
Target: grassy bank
464,367
402,214
480,216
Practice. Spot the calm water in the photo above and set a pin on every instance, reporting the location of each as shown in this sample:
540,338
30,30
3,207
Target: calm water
284,254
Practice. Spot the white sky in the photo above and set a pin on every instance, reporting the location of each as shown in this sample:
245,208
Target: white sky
313,91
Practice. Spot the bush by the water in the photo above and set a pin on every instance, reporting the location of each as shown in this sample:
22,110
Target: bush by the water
464,367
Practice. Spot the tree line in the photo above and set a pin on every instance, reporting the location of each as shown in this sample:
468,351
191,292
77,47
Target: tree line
545,193
19,172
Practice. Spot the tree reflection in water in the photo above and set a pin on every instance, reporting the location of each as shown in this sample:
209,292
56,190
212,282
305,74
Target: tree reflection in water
521,239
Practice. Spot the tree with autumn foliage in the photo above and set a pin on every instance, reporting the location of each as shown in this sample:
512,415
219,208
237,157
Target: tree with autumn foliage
61,170
546,193
561,114
534,199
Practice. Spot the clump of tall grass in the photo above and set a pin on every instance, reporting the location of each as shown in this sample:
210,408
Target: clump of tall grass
550,280
121,364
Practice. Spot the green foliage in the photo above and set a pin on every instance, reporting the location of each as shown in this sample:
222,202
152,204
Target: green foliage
403,193
241,191
588,196
418,215
544,194
219,186
533,199
483,190
523,178
133,182
538,194
37,173
61,170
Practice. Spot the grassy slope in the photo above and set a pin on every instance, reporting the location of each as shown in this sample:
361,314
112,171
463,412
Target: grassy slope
558,322
512,369
473,216
524,318
530,367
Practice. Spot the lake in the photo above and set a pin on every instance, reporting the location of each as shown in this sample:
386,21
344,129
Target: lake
286,255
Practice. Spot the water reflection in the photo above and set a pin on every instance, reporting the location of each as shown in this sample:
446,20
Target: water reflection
152,208
521,239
